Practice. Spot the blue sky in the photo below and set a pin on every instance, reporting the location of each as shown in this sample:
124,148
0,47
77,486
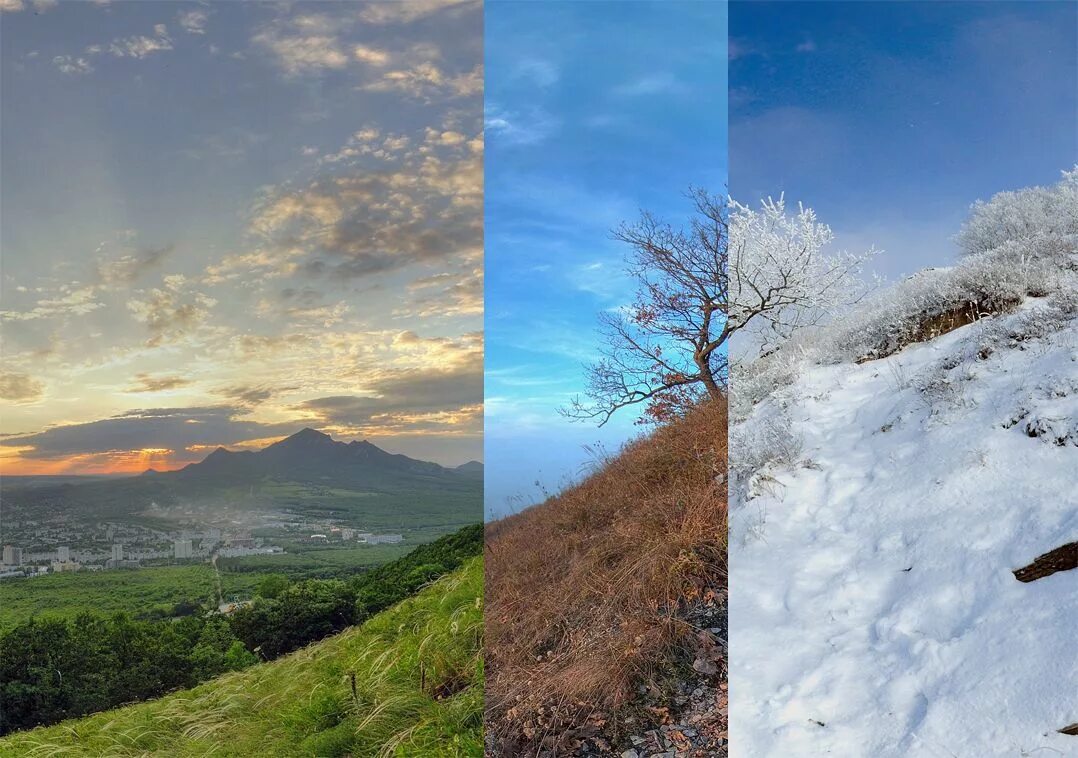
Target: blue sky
593,112
224,221
891,118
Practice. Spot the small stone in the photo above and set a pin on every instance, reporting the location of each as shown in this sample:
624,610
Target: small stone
630,753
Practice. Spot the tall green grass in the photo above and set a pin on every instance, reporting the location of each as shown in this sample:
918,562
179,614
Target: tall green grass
418,691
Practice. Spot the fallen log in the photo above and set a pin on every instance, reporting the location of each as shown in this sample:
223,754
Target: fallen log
1062,558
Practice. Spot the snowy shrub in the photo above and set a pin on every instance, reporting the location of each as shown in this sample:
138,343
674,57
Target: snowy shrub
1041,214
753,381
759,443
781,276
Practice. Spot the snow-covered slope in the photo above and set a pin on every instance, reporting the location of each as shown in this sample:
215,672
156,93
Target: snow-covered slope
873,611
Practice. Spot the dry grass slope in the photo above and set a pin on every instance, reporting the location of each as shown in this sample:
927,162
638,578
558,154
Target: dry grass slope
418,691
587,593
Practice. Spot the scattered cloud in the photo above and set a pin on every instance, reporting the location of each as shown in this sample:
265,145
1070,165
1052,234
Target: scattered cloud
425,206
528,127
371,55
404,13
298,54
652,84
248,394
427,81
128,269
148,383
171,311
193,21
72,65
412,400
20,388
140,46
73,299
737,49
808,46
542,73
445,294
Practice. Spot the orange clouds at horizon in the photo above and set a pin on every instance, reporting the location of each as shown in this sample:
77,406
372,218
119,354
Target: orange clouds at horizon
112,462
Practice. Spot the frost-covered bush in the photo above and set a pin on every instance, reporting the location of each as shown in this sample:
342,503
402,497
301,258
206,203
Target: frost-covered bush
759,443
1022,262
1041,214
782,276
751,382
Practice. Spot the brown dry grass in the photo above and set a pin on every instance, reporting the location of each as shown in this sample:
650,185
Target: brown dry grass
585,593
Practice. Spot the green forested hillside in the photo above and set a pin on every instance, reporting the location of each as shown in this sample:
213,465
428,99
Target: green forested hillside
408,682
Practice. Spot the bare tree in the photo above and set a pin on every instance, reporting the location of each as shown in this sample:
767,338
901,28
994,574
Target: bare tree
732,269
667,348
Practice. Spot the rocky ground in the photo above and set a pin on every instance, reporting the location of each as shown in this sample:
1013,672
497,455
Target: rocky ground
691,720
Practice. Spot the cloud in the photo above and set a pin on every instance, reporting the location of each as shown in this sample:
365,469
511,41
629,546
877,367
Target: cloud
172,311
248,394
446,294
140,46
128,269
304,44
193,21
303,54
171,429
426,81
72,65
147,383
373,56
12,6
20,388
408,400
527,127
736,49
407,12
808,46
426,207
541,73
73,299
652,84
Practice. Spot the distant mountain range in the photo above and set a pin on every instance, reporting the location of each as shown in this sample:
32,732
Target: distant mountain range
308,469
315,457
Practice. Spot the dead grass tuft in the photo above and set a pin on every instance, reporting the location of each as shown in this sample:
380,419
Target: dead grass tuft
587,593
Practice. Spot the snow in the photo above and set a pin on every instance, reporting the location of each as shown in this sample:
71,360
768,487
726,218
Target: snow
873,611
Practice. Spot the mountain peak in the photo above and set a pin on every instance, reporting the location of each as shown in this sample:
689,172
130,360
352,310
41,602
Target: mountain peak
309,433
304,437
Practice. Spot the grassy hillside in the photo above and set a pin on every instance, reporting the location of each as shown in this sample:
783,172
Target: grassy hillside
418,691
596,593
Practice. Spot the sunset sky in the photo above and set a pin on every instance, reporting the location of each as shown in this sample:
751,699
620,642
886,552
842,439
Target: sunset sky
222,222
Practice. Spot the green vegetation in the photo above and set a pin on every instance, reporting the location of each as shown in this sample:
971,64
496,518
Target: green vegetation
53,668
391,583
310,562
142,593
313,609
418,691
